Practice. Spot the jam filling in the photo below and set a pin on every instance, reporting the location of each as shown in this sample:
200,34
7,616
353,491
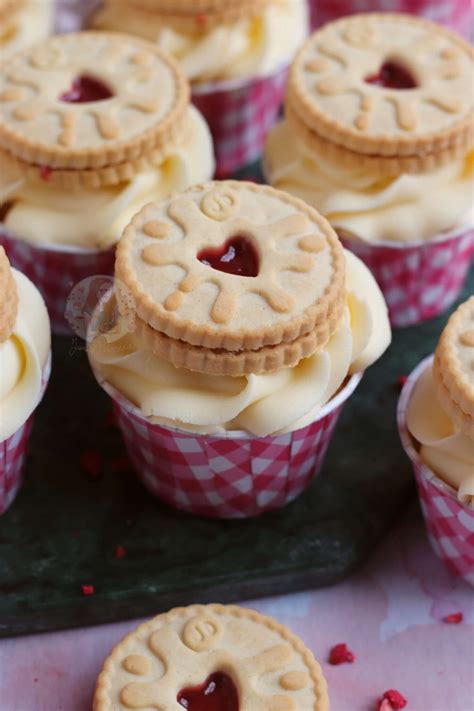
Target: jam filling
218,693
85,89
392,76
237,256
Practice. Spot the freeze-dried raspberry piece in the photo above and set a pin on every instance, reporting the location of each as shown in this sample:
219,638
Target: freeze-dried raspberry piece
340,654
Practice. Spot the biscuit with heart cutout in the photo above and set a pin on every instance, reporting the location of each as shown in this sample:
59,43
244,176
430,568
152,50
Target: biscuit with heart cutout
233,267
90,102
211,656
386,86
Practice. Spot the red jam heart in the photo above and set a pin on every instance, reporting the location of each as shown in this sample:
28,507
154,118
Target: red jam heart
218,693
392,76
237,256
85,89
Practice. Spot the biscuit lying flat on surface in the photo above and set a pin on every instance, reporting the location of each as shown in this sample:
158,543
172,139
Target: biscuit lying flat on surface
247,661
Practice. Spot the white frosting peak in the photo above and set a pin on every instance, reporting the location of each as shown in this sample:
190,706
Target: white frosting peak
31,24
259,404
247,47
23,358
402,208
445,450
44,214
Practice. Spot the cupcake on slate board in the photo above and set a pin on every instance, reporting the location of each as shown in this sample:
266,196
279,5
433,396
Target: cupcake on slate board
379,136
236,55
25,346
24,23
242,328
436,419
211,657
92,127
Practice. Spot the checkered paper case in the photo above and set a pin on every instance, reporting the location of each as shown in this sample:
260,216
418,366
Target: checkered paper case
56,270
13,453
454,14
449,523
418,280
230,475
240,113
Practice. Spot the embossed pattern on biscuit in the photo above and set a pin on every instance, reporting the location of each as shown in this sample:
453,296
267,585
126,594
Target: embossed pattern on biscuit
267,666
463,341
184,212
140,89
335,75
234,265
210,225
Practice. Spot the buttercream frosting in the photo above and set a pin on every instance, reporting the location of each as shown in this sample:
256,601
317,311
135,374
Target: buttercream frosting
258,404
400,208
32,24
448,452
42,214
23,358
257,45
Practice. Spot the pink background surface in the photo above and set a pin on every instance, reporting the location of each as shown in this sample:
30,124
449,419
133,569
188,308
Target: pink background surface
390,614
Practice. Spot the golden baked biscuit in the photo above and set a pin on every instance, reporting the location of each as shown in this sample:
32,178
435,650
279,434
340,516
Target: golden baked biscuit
386,86
234,267
453,368
236,656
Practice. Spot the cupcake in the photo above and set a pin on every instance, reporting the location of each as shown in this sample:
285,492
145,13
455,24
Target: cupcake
436,418
238,328
211,657
24,23
92,127
379,136
25,347
455,14
236,54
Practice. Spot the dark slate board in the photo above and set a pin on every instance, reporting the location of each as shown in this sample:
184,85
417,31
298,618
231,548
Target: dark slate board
64,527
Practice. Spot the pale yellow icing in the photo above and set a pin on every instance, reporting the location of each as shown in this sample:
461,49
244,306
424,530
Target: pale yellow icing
444,449
402,208
238,49
33,24
23,358
45,214
259,404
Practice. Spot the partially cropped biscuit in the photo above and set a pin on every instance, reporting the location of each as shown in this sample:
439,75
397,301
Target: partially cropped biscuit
453,368
208,12
8,298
